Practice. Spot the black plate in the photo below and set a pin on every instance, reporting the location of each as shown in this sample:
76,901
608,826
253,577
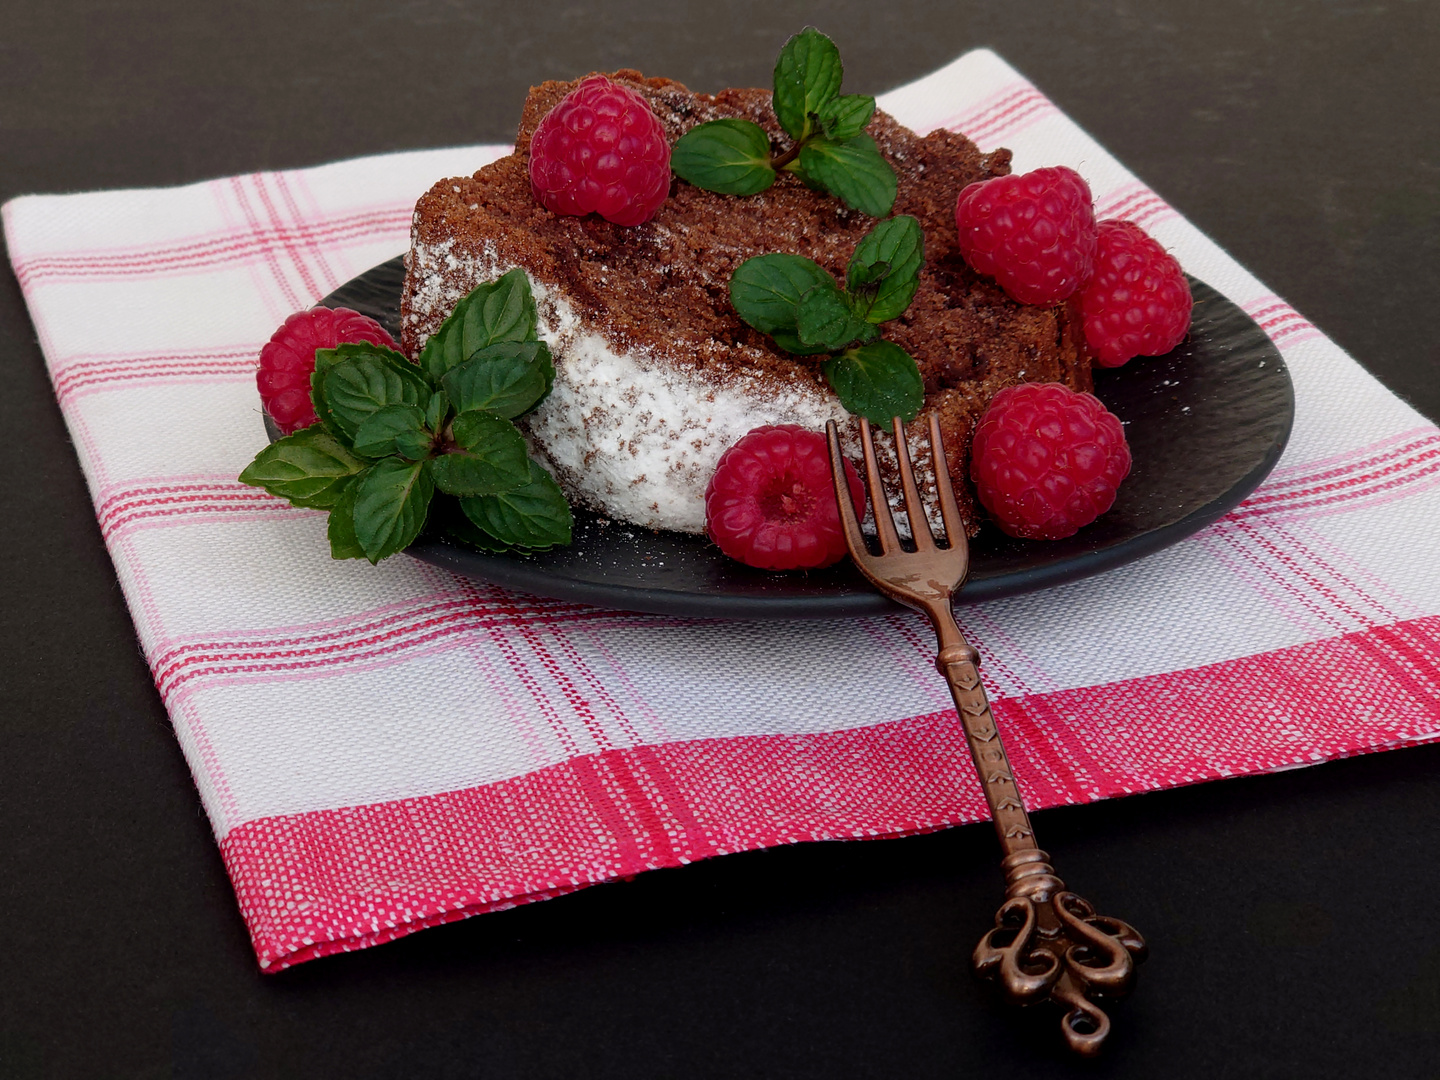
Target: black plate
1205,422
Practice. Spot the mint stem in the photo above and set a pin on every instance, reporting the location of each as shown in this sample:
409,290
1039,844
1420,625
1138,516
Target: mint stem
779,161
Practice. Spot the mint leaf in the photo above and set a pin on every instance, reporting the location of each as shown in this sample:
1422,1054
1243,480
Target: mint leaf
341,527
791,343
864,333
391,502
853,171
845,117
884,272
490,457
310,468
730,156
507,379
471,429
459,527
501,310
807,76
395,429
437,410
824,318
767,289
354,388
325,359
794,167
535,515
877,381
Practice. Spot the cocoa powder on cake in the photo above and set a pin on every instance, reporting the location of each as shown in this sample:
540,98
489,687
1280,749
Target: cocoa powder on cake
663,287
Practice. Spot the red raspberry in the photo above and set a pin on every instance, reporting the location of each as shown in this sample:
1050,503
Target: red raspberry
1047,460
1033,233
601,150
1138,303
288,359
771,502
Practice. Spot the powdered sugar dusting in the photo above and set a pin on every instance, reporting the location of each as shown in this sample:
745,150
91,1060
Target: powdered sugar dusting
624,432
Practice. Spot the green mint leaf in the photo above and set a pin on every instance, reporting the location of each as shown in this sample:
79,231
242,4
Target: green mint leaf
395,429
791,343
853,171
415,445
824,318
807,76
730,156
845,117
341,527
459,527
437,410
391,502
885,269
354,388
862,333
501,310
490,457
310,468
325,359
535,515
804,178
507,379
767,289
878,381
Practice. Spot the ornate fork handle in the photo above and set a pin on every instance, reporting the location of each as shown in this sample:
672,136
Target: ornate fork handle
1047,943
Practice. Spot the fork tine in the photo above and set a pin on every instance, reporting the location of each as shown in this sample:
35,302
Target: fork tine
854,538
949,508
914,508
879,504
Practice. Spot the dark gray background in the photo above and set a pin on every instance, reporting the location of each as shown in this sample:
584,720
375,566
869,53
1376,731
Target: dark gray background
1292,917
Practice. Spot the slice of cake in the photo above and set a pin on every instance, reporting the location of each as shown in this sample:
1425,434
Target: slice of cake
656,375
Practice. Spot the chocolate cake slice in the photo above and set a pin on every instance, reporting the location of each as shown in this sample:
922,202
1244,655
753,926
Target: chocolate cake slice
656,375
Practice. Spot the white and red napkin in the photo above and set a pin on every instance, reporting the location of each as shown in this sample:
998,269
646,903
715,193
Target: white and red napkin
384,749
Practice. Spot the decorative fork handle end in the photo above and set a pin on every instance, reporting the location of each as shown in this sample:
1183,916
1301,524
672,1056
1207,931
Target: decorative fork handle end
1050,945
1047,943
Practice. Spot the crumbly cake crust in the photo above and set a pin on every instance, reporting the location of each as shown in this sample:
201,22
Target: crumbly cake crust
641,325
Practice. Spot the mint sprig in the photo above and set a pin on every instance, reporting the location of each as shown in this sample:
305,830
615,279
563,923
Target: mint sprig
534,515
877,381
805,311
829,150
311,468
500,310
399,443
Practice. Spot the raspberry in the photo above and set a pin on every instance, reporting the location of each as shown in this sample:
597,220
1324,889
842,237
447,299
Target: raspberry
1033,233
1047,460
771,502
1138,303
602,150
288,359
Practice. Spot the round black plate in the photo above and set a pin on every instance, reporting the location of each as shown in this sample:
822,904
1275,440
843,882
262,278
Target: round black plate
1205,422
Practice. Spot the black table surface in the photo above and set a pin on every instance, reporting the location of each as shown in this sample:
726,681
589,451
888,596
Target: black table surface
1292,917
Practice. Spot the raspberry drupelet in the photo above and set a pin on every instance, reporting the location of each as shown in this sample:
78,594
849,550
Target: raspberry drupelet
1047,460
601,150
1138,303
771,502
288,359
1034,232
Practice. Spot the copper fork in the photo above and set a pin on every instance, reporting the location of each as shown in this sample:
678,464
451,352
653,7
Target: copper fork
1047,943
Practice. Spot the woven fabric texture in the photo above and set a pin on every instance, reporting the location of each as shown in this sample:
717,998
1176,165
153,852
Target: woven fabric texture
384,749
